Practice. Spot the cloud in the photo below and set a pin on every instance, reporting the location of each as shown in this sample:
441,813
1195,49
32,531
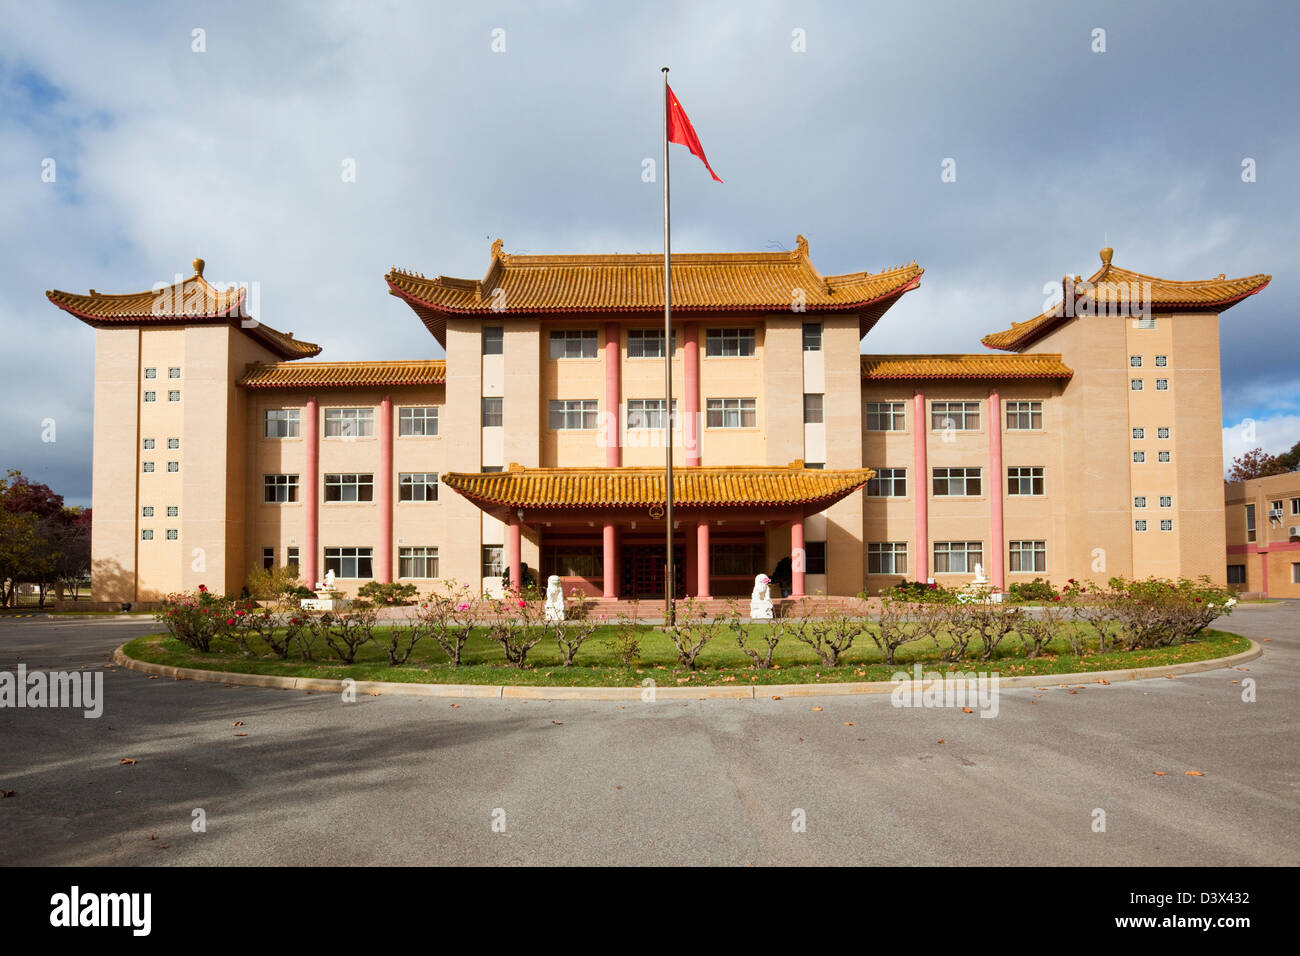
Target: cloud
1274,435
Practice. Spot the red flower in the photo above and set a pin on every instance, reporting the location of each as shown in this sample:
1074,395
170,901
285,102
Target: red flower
522,604
1056,597
230,621
203,587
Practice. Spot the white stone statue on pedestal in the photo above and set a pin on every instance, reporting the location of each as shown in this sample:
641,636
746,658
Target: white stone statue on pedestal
554,612
979,574
329,580
760,602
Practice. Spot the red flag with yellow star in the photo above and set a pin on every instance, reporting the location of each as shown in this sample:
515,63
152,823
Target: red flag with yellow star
681,131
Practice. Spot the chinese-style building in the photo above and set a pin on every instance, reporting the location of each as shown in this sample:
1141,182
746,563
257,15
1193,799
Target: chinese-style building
1090,448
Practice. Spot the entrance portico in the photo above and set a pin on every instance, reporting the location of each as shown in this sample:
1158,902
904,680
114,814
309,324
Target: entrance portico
601,529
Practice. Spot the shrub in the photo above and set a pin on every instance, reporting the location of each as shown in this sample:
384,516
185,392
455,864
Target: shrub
449,616
918,591
402,640
627,636
1036,591
992,623
692,630
829,634
388,594
252,623
571,635
347,631
898,626
1037,630
267,584
517,625
743,628
195,619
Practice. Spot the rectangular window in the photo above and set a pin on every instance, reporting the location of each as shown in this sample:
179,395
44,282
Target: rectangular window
1162,432
729,343
268,558
279,489
350,487
1146,322
1024,416
417,562
648,413
149,444
574,561
1166,524
1135,384
1162,385
954,416
281,422
1139,433
812,336
1250,522
574,414
1139,457
1295,506
814,557
1135,361
146,534
417,420
417,486
1027,556
151,373
1166,501
731,413
736,560
494,340
957,557
173,443
573,343
814,465
1025,481
173,372
812,408
151,396
1140,525
349,422
1295,572
148,468
957,482
173,466
1163,456
887,557
1162,361
647,343
888,483
494,560
1237,573
349,562
174,395
1275,510
1140,501
173,511
173,534
493,412
146,511
291,558
886,416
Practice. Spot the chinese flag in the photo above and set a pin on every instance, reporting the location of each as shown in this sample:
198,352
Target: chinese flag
681,132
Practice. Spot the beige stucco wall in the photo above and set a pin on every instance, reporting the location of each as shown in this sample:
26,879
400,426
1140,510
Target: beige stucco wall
1273,546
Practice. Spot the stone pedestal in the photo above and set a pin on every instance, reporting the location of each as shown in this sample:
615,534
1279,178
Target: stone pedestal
326,599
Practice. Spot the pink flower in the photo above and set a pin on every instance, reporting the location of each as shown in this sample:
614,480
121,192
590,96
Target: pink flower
239,614
203,587
462,607
230,621
522,604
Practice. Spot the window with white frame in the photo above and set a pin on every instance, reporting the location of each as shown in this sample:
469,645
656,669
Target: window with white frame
1162,385
812,408
1025,480
291,558
151,396
1140,501
173,467
173,444
149,444
173,511
268,558
279,489
812,336
417,486
174,372
1146,322
146,511
146,534
1024,416
1295,506
954,416
349,487
647,343
1140,525
1027,556
887,557
1166,501
1250,522
281,422
417,562
1135,361
1162,361
574,414
573,344
350,562
1139,457
151,373
731,413
417,420
148,467
494,412
957,557
888,483
173,534
729,343
1162,432
957,482
1163,456
494,340
1166,524
886,416
1135,384
174,395
349,422
648,413
493,561
1139,433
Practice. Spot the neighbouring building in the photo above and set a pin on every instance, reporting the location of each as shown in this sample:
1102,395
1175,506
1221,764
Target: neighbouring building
1263,528
1089,447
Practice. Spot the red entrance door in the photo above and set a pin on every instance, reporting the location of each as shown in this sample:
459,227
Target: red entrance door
643,571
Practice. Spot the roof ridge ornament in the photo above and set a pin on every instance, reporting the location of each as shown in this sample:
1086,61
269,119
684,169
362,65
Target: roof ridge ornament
198,267
1106,256
801,247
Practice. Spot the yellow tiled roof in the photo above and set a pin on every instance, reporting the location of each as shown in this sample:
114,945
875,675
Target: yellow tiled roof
741,487
343,374
702,282
191,300
1111,284
1034,365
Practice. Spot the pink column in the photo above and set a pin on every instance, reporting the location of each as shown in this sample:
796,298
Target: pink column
385,483
1263,573
702,559
997,559
513,553
613,398
691,393
798,560
920,487
310,427
610,560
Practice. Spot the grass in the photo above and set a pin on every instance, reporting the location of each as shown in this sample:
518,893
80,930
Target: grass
720,663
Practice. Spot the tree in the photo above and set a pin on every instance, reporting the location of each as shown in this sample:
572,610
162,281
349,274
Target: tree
1290,460
41,541
1256,463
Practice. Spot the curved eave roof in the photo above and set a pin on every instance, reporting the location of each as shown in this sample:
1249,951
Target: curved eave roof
604,284
880,368
1111,284
344,374
190,302
695,487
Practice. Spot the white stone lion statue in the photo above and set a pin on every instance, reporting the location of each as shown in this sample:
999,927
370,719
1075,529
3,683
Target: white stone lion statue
760,601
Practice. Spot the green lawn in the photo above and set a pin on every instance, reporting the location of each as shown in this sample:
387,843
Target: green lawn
721,662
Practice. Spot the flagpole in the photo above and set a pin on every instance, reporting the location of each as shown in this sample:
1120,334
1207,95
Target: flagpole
670,571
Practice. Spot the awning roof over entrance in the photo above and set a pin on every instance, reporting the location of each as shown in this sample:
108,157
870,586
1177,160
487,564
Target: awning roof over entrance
693,487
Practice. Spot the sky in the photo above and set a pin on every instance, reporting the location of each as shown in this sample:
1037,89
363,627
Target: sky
465,122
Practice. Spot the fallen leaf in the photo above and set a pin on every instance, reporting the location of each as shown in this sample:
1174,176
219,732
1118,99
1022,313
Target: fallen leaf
6,793
848,723
618,786
1158,773
558,723
1074,692
1170,677
967,710
941,740
241,735
239,723
1234,682
816,708
1243,668
455,705
153,676
777,697
127,760
1102,681
1194,773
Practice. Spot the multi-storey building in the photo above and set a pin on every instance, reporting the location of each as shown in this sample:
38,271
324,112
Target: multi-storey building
1090,449
1263,530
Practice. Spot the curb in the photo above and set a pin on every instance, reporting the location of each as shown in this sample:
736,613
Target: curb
747,692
